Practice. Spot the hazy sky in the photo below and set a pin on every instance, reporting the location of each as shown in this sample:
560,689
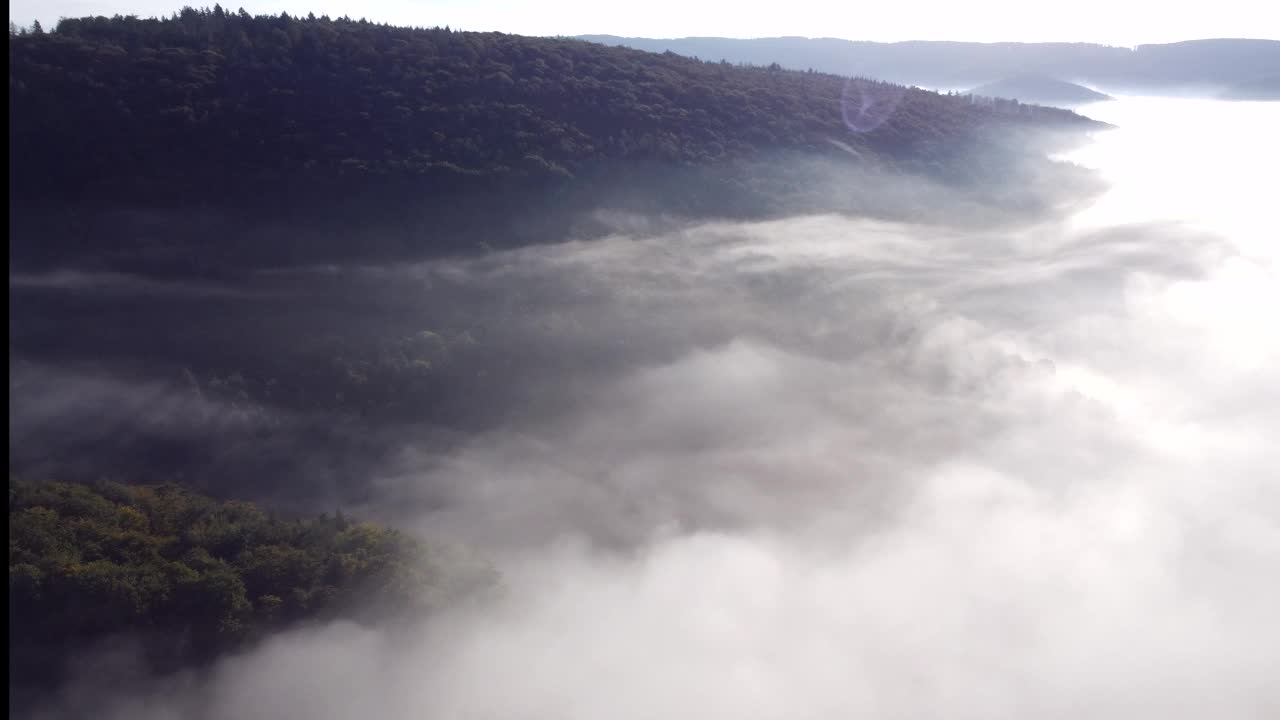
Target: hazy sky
1117,22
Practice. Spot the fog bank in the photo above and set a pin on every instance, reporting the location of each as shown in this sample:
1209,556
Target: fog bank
826,466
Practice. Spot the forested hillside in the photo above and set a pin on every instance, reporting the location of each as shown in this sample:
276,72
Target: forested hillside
216,108
163,170
191,576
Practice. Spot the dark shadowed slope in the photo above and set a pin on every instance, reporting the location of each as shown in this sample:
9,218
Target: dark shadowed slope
211,104
296,119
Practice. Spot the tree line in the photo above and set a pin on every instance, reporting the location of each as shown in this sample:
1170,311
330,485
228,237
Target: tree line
216,108
191,576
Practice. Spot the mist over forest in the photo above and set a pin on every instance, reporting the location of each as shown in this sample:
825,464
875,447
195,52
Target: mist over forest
363,370
1230,68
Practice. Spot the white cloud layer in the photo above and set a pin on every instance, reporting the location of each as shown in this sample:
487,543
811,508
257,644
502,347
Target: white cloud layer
830,467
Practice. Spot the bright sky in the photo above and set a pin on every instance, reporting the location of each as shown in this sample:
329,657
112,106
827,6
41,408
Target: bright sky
1113,22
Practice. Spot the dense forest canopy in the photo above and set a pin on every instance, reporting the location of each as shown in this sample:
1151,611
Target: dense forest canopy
193,576
210,107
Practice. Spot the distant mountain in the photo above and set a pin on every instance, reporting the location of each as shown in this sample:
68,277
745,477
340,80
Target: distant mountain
1206,65
1040,90
1265,88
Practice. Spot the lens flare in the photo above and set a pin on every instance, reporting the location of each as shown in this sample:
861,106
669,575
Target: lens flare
867,104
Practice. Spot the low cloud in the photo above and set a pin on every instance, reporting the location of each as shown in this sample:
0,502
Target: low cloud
807,468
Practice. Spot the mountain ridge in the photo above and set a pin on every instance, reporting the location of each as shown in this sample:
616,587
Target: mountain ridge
1040,89
324,120
941,63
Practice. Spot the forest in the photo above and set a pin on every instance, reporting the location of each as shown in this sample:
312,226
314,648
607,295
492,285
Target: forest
321,120
193,576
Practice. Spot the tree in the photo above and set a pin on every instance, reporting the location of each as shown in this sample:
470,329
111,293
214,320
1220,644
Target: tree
269,116
90,561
